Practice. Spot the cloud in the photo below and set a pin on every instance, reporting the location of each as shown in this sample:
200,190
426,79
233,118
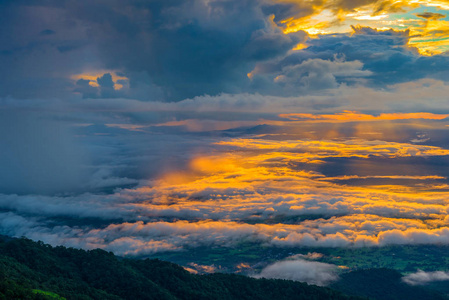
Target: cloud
330,17
422,278
318,74
301,270
228,51
223,199
349,148
176,50
308,256
431,16
425,96
108,85
173,49
39,55
132,246
349,116
370,57
147,127
231,189
203,268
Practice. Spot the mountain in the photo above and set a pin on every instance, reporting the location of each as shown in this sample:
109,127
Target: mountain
34,270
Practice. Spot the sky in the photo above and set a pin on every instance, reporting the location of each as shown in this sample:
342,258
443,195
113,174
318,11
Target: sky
147,126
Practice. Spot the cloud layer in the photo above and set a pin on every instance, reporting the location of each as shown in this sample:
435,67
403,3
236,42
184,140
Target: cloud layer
148,126
260,190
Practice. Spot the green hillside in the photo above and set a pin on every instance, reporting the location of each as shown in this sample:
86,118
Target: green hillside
34,270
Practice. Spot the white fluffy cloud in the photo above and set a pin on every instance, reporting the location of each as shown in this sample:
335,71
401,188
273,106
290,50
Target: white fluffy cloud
301,270
422,278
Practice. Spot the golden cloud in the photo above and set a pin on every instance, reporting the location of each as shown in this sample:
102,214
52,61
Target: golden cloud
259,182
353,116
330,16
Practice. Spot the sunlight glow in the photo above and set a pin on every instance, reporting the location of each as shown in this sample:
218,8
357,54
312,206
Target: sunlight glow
428,34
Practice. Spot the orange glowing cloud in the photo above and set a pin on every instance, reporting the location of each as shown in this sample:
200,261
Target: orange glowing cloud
329,148
254,191
428,32
349,177
93,76
353,116
273,191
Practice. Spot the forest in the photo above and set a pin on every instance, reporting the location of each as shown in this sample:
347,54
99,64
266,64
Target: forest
34,270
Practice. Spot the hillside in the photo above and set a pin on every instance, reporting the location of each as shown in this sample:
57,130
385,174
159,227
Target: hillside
34,270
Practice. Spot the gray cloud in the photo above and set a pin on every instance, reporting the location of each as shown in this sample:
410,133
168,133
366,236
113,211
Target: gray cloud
173,50
380,58
186,48
430,15
422,278
318,74
103,159
301,270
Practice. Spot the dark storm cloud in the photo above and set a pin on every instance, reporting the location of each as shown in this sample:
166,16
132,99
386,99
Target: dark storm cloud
83,87
187,48
39,49
172,50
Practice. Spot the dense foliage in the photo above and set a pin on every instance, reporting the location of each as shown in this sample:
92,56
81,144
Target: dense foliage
34,270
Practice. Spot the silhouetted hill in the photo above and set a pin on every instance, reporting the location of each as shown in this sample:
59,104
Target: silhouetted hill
34,270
